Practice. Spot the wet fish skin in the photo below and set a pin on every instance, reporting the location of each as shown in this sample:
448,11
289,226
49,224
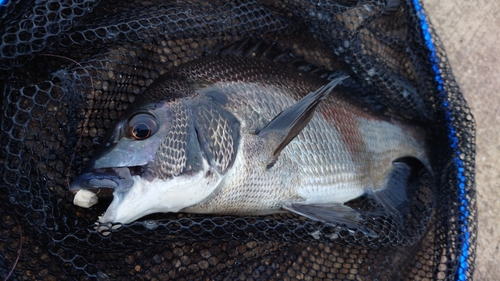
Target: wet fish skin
212,153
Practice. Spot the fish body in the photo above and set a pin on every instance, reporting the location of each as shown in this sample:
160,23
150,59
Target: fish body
243,136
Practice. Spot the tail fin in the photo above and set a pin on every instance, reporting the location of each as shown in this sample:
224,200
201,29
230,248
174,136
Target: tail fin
394,194
393,197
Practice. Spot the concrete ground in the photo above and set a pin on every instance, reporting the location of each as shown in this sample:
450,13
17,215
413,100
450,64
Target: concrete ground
470,34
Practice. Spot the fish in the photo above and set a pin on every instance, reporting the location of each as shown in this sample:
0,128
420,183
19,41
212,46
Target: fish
247,136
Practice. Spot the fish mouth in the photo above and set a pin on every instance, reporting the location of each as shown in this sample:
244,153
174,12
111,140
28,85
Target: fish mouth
105,181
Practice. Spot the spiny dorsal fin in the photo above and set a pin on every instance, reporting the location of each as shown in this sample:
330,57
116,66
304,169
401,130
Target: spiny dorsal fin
288,124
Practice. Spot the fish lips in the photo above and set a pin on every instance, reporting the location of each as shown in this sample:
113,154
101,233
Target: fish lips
118,179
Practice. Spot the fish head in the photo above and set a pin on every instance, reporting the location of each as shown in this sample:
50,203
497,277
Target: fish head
162,157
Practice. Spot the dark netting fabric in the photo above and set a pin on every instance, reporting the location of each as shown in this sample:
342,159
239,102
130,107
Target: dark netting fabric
70,68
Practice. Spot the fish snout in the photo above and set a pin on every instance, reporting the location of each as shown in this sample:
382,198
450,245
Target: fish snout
117,179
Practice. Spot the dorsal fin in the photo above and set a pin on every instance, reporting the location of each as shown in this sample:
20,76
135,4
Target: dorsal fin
288,124
260,49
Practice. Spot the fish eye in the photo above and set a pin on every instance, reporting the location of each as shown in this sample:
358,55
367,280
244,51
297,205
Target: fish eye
141,126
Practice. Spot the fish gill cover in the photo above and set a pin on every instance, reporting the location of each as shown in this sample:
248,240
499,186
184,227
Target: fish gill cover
70,69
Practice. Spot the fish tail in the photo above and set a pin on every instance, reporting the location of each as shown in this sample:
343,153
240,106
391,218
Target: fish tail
394,194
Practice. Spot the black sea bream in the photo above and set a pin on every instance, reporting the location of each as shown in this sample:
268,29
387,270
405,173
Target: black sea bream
246,136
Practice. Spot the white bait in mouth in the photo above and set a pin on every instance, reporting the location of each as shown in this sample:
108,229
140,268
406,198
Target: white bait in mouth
85,198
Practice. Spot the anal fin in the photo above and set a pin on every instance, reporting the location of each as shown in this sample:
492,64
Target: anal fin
391,198
327,212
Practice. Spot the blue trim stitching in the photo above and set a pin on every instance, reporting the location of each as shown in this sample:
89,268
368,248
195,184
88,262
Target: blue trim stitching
459,165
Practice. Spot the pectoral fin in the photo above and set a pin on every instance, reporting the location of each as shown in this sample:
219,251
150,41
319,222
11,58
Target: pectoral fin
288,124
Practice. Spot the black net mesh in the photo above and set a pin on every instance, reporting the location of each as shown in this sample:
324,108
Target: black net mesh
70,68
